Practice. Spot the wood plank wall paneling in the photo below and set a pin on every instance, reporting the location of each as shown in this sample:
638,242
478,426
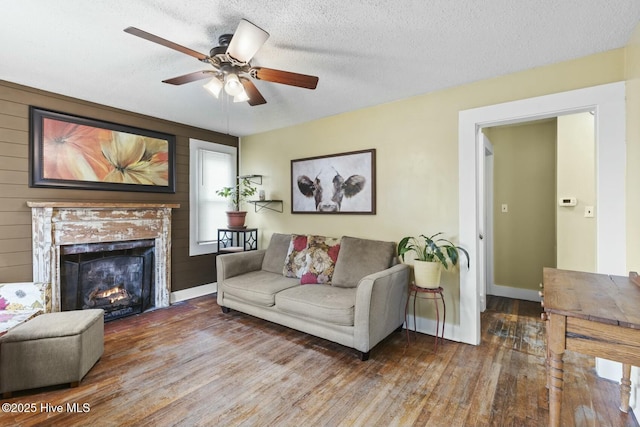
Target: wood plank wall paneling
15,216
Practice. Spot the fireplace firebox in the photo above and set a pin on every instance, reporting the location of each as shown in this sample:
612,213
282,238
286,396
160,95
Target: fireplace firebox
115,276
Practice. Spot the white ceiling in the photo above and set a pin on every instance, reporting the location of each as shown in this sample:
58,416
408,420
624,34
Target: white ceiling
365,52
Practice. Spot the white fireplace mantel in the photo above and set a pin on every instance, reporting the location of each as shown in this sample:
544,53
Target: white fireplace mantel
55,224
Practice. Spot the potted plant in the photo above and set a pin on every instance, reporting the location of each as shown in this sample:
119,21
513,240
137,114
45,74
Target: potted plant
237,195
432,253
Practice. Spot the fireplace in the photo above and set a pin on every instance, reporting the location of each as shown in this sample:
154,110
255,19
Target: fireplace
115,256
114,276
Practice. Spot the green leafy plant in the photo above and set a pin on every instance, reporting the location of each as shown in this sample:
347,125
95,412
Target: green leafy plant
432,249
238,193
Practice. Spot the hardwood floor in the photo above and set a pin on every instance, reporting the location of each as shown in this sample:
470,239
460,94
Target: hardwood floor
191,365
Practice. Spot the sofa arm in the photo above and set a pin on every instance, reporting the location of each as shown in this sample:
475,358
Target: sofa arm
380,303
235,264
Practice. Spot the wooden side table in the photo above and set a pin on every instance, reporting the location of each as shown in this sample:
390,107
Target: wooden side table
593,314
426,293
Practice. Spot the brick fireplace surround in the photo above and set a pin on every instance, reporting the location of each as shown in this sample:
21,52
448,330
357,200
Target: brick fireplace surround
55,224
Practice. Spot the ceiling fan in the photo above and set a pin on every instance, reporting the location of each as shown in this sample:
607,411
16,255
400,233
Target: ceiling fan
231,66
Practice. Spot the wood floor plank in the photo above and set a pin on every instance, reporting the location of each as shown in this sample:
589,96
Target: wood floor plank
191,365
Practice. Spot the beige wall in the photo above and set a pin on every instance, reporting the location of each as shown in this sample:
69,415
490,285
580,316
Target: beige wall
524,237
633,151
417,153
576,178
632,73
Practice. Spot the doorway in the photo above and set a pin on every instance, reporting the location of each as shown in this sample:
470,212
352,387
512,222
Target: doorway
608,103
536,163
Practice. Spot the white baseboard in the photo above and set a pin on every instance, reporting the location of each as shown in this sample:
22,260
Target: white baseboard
428,327
516,293
194,292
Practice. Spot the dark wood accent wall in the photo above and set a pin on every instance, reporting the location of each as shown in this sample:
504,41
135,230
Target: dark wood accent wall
15,216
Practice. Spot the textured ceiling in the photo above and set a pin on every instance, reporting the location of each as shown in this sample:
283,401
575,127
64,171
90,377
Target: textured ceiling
364,52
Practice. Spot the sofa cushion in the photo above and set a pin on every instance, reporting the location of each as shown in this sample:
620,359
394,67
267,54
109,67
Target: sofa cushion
276,253
359,258
322,253
296,256
258,287
321,302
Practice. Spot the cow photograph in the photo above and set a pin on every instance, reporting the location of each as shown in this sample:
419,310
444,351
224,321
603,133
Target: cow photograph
339,183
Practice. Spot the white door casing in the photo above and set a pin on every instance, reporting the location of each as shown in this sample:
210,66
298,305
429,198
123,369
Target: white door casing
608,103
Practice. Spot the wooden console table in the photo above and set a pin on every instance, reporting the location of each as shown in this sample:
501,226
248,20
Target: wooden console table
593,314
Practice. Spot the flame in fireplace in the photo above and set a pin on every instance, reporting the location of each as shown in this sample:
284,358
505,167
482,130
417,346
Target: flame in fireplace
112,294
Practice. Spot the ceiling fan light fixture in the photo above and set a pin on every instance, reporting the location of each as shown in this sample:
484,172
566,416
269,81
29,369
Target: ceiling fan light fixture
241,97
230,60
246,41
214,86
232,85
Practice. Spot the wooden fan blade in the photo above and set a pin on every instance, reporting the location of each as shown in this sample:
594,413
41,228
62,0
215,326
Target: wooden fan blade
153,38
188,78
255,97
284,77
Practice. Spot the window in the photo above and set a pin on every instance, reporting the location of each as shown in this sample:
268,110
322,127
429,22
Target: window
211,167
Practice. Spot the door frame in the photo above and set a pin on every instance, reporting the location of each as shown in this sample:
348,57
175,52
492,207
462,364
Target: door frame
608,103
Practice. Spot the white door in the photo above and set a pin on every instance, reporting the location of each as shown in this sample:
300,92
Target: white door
485,218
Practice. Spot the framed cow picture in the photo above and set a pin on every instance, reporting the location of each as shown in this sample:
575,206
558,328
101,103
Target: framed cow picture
342,183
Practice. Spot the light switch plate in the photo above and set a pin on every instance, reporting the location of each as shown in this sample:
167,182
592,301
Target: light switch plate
588,211
505,208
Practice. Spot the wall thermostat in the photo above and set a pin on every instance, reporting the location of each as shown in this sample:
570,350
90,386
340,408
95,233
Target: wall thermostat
567,201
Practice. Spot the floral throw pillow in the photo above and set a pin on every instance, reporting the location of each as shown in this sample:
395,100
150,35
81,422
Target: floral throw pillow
322,253
296,256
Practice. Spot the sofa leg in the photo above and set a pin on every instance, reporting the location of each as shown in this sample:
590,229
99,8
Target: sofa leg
225,309
364,356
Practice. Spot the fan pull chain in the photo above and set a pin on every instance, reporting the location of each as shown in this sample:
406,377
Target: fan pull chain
226,107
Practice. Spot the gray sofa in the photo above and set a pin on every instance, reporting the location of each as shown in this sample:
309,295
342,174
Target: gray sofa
359,304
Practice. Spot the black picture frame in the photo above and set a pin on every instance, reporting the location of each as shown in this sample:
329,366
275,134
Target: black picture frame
343,183
74,152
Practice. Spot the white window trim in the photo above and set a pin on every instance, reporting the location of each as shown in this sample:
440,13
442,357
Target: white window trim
195,145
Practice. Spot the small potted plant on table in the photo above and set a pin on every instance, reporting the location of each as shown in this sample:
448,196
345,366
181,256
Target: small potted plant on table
237,195
432,253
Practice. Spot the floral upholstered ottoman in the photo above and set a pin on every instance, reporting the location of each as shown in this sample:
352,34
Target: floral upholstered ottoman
20,302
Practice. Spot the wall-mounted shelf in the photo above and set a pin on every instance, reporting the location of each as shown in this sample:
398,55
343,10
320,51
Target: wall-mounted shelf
255,179
272,205
258,205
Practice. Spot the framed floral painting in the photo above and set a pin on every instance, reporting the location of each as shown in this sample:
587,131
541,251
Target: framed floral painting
76,152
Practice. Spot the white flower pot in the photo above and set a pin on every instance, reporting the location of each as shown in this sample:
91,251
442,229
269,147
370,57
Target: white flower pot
427,274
